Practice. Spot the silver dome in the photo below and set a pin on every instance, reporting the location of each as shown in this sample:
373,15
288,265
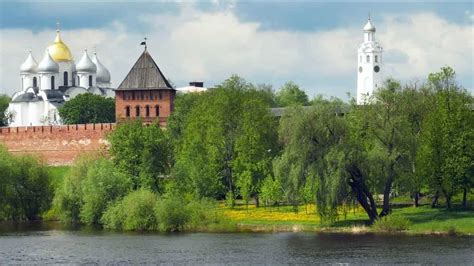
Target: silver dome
30,66
85,64
369,26
47,64
103,75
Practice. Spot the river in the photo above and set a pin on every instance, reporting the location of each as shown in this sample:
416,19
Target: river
53,244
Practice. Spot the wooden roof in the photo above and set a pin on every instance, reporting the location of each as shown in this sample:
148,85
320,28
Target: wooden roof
145,75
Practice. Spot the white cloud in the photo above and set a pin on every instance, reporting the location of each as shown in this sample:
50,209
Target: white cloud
210,46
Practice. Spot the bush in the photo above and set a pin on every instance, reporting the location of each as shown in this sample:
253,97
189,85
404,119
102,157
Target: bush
171,214
202,213
134,212
88,189
25,190
392,223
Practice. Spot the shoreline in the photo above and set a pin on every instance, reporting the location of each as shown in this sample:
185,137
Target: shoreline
50,225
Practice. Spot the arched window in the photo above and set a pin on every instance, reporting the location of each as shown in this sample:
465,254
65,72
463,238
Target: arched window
35,82
127,111
90,80
52,82
137,111
368,59
160,96
376,60
65,78
147,111
157,111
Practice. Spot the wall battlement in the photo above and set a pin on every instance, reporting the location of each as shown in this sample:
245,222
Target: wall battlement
57,145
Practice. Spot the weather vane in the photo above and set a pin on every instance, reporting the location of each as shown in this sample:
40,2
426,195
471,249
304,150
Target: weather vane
144,42
57,26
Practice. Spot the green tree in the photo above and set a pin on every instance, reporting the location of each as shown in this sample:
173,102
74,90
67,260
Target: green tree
4,102
446,152
88,108
290,94
271,190
25,190
226,132
312,140
385,132
144,152
91,185
416,103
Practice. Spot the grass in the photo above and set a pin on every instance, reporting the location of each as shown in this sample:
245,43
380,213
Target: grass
422,220
57,174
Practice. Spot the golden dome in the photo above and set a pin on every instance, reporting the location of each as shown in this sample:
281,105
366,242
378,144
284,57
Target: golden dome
59,50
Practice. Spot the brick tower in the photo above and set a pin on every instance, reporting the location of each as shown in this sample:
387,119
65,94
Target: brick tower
144,93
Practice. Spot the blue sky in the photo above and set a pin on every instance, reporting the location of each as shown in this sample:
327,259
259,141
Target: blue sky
295,27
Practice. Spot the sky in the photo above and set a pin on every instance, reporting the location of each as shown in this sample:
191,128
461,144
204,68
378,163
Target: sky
313,44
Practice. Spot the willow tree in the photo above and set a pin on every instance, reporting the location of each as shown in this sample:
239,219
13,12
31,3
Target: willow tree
312,139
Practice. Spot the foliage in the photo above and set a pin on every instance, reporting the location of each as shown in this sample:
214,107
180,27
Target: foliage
88,108
290,94
227,132
392,223
143,152
4,102
311,156
88,189
446,152
271,190
171,214
202,213
136,211
25,190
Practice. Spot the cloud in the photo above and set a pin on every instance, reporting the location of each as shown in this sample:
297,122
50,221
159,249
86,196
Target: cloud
211,45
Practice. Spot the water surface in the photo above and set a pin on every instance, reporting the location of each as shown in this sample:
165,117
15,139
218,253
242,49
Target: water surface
43,244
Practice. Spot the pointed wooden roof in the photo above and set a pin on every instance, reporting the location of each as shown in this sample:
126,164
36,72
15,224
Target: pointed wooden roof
145,75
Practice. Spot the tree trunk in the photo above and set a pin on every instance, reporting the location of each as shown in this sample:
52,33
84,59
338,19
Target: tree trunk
257,201
464,198
434,201
363,195
386,192
416,198
448,202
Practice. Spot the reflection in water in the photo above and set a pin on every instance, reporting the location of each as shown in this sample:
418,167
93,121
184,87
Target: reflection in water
53,243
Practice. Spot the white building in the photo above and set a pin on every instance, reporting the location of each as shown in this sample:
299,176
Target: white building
369,58
56,79
194,86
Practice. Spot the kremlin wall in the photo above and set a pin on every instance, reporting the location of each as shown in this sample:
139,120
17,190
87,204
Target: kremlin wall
56,145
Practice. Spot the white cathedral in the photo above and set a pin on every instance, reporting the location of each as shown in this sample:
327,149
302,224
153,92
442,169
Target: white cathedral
56,79
369,76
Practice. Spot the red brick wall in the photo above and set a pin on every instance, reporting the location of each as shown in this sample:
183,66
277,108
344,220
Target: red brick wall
141,99
57,145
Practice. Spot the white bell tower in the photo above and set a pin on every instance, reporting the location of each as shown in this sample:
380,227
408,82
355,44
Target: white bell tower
369,67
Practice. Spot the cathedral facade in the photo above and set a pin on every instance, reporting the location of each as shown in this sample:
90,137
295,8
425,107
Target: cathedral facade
46,85
369,58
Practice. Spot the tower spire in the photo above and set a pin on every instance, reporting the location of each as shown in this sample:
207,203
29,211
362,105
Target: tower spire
58,26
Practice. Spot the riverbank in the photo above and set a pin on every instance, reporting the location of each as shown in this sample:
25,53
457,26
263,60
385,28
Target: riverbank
424,220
